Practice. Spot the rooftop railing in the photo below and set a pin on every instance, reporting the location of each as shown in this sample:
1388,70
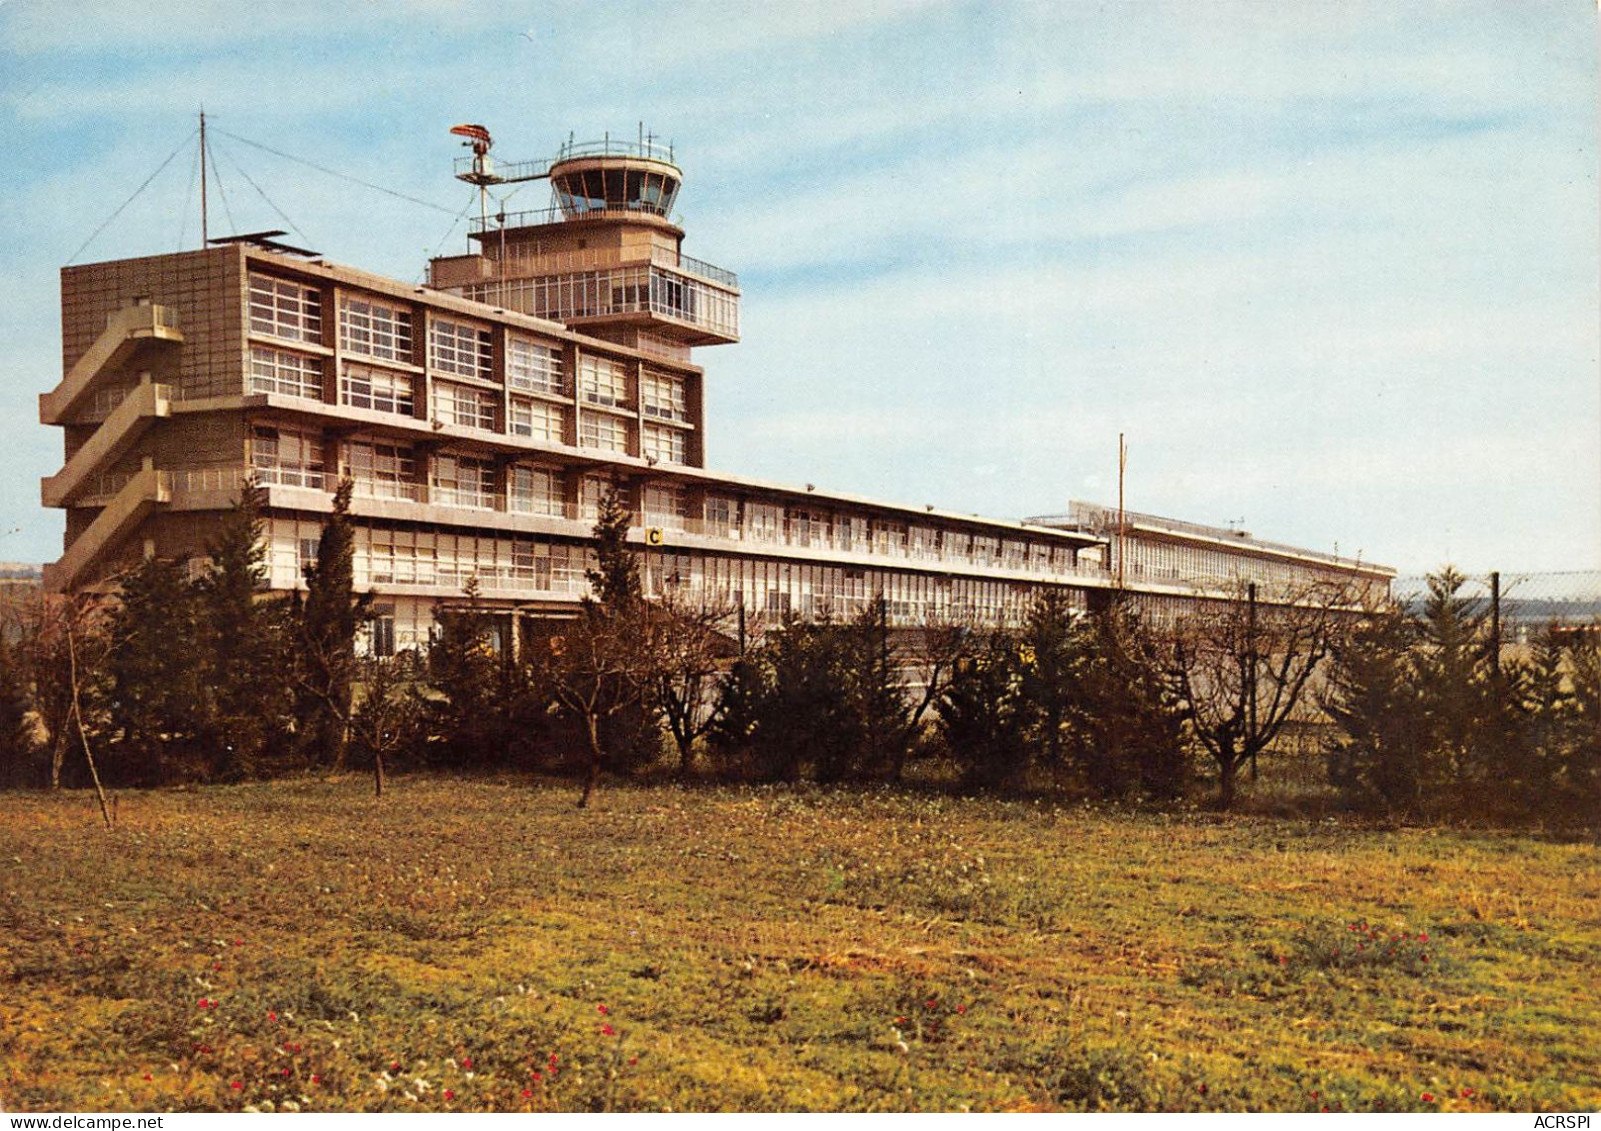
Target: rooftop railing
536,217
609,146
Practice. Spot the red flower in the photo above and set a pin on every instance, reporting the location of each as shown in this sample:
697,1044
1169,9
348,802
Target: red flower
607,1031
1425,958
285,1072
534,1073
449,1095
147,1076
527,1095
1314,1095
204,1002
961,1009
1467,1093
1283,961
1428,1097
602,1009
216,966
466,1062
633,1060
931,1003
395,1067
239,942
1202,1089
1422,937
236,1086
315,1079
272,1016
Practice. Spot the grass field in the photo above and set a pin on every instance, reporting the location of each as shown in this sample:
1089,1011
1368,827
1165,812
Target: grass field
481,945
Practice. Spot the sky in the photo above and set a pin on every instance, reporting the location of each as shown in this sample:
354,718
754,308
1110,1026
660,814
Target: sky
1332,268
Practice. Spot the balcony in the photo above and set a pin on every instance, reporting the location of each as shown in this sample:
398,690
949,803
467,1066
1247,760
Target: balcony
691,309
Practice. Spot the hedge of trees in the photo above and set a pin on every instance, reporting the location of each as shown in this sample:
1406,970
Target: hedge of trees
194,674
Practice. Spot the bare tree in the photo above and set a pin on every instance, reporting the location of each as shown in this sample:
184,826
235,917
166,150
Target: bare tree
1242,668
64,647
384,720
595,669
693,640
927,658
601,665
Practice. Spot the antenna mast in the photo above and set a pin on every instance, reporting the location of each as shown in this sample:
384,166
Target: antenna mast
1122,515
205,231
482,174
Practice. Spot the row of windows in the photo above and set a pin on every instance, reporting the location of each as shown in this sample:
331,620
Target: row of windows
622,290
383,331
384,390
385,554
391,471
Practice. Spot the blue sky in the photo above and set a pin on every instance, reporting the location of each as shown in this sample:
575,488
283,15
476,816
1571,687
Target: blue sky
1331,267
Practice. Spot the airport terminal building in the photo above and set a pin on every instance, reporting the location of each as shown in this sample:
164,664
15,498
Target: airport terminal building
483,416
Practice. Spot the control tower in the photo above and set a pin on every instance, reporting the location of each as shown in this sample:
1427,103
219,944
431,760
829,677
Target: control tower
605,257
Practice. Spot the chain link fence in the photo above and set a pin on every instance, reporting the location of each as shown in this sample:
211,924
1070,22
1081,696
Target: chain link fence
1529,602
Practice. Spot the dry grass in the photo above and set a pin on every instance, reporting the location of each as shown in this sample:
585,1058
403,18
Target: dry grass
776,949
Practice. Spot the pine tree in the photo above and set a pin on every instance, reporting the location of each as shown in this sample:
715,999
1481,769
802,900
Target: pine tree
160,701
328,621
615,578
246,649
598,668
984,714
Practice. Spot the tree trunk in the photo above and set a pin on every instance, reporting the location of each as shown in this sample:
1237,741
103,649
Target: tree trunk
1228,772
686,755
58,755
378,773
592,779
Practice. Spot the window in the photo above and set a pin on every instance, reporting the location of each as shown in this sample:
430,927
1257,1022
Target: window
666,507
533,491
463,405
362,386
601,431
721,514
381,631
285,310
662,396
375,329
537,420
278,371
602,381
590,492
464,482
382,471
665,444
456,347
764,521
283,455
807,529
534,368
